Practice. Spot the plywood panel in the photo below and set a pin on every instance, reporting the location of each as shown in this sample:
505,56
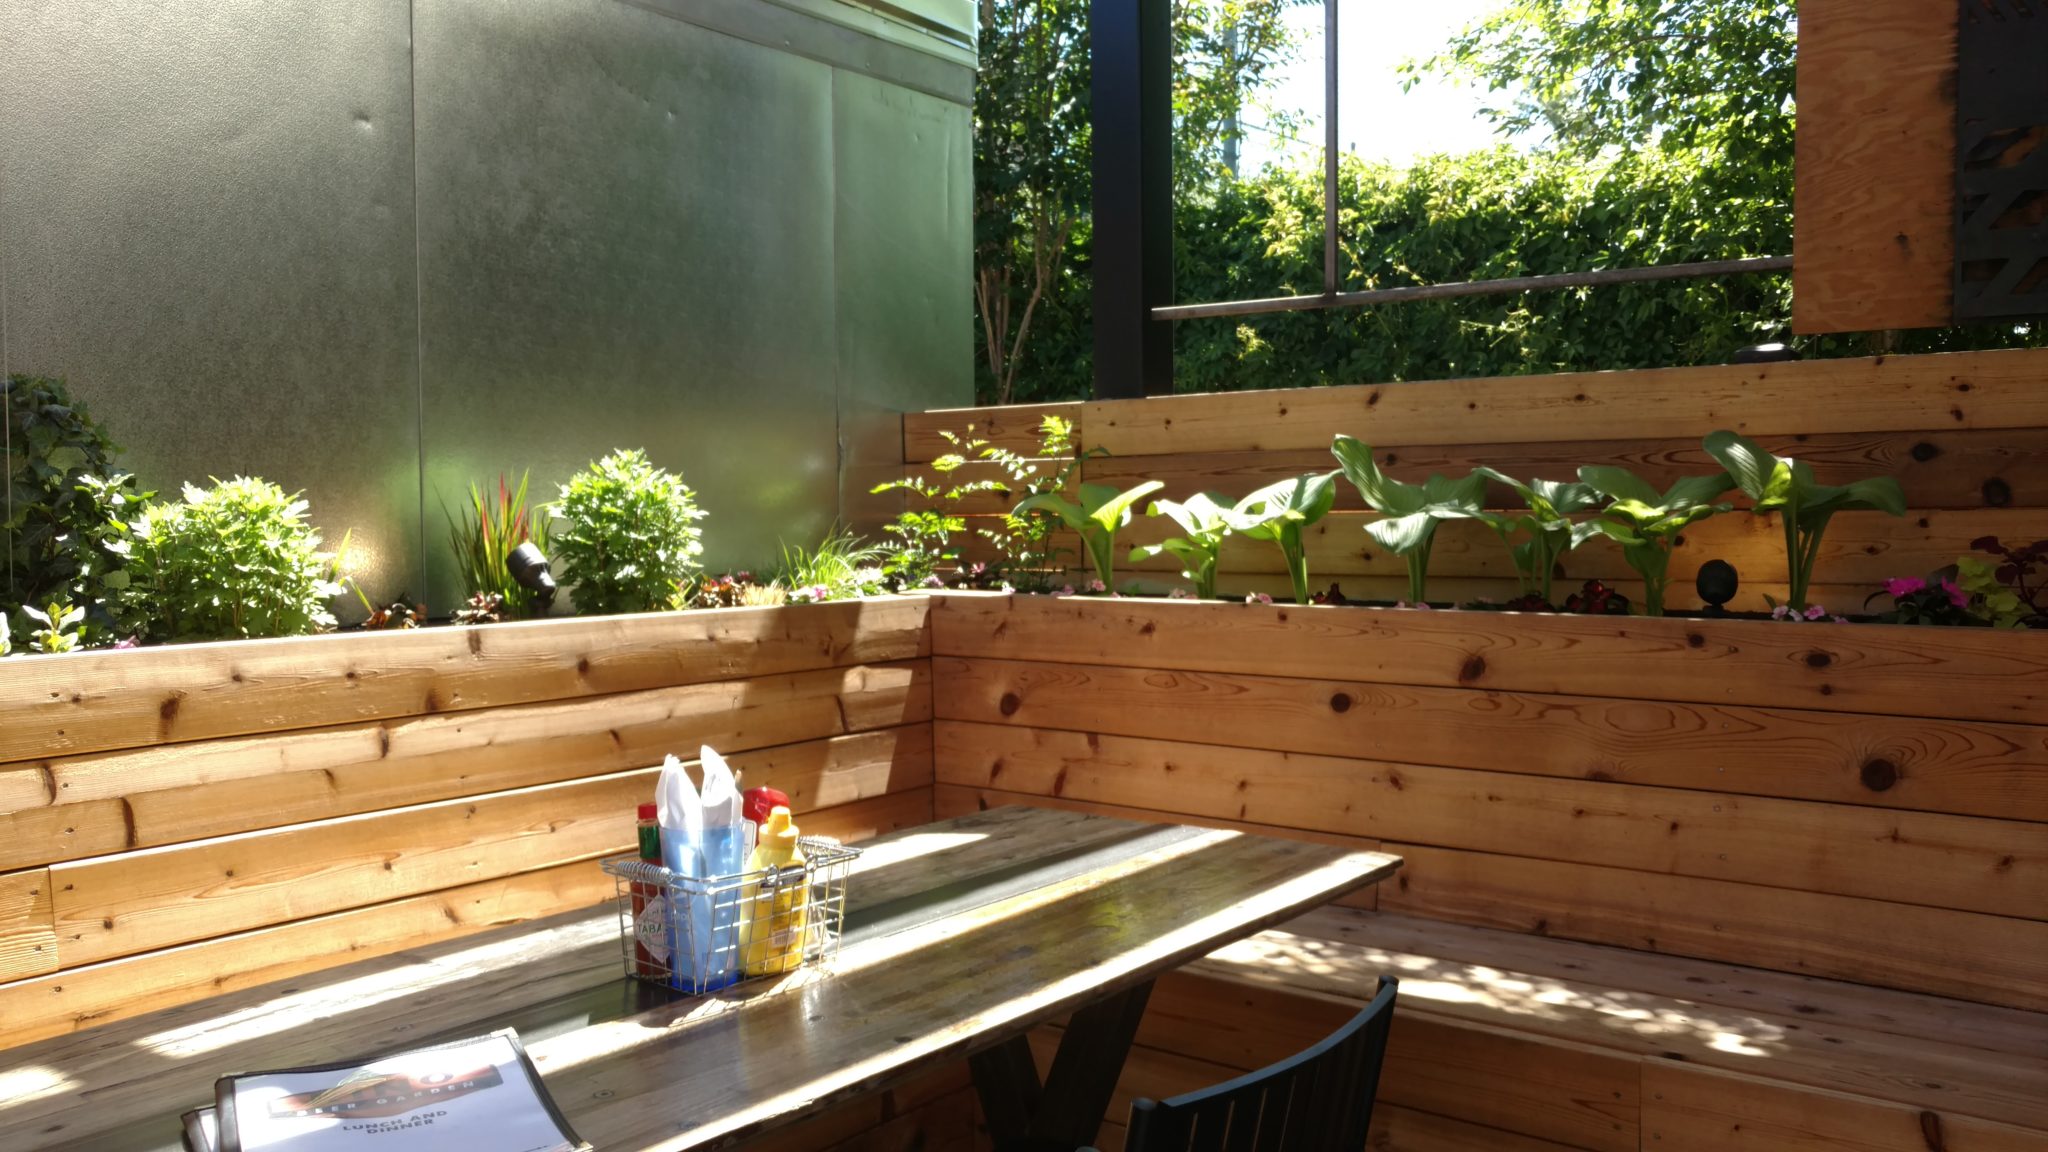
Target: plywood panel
1959,390
1694,1110
1991,959
1937,468
1873,219
95,701
1928,765
1994,866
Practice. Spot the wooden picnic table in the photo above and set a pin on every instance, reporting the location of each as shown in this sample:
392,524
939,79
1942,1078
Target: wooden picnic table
960,937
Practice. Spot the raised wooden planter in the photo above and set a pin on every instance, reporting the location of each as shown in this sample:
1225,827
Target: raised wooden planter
176,821
1863,803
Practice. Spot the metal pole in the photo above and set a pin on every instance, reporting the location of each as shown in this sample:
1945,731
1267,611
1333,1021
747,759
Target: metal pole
1329,148
1602,277
1132,115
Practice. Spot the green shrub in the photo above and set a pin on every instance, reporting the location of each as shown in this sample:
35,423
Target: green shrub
234,560
60,530
629,536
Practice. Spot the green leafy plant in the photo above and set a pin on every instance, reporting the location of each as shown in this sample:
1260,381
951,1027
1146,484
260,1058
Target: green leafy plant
2017,571
483,532
1992,600
843,566
1204,521
924,536
59,631
234,560
1804,505
1548,524
1410,512
1101,511
1279,512
1026,555
629,534
1646,522
61,526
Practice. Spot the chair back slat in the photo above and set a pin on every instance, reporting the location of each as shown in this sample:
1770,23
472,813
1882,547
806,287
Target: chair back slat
1319,1100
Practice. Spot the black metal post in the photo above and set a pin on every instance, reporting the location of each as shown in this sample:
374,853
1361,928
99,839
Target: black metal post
1132,110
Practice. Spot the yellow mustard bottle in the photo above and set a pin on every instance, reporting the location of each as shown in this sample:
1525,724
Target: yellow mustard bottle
774,910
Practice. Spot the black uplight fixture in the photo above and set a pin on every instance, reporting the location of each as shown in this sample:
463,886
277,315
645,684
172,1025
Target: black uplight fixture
529,568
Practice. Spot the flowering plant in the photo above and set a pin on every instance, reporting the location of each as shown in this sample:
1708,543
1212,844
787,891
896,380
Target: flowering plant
1935,602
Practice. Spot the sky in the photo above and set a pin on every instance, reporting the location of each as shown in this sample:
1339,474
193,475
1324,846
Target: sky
1375,119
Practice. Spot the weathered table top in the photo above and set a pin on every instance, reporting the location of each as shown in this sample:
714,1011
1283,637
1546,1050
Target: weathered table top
960,935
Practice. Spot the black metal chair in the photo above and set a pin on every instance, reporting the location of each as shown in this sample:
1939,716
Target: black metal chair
1317,1101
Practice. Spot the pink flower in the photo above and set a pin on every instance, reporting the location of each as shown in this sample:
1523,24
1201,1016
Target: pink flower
1956,596
1065,590
1257,598
1899,586
1816,612
976,568
1781,612
1096,586
1180,594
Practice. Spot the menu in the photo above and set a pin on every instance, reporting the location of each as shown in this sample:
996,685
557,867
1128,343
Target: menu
480,1094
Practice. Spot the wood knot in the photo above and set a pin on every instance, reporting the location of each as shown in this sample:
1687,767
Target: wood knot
1695,640
1340,702
1997,493
1818,659
1473,668
1925,451
1009,704
1880,774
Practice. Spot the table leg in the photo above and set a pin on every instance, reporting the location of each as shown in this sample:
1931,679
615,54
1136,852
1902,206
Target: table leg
1066,1112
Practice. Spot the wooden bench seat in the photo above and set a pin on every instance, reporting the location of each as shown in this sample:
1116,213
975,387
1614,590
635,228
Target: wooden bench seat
1518,1042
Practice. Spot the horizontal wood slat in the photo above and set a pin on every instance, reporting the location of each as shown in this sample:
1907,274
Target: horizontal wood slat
1938,469
109,802
1989,959
1949,673
79,998
1695,1110
28,937
1958,390
1014,428
1967,1059
95,701
1993,866
1928,765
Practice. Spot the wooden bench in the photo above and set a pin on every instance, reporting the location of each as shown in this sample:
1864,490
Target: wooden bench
1513,1043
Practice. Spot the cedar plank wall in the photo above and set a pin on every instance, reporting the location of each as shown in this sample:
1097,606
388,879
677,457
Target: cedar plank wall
1862,803
1965,433
175,821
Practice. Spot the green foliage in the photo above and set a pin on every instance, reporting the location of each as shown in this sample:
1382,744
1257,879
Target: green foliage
59,631
1101,511
1991,601
1279,512
1024,543
1804,506
483,532
231,561
629,534
843,566
924,536
59,539
1409,513
1204,521
1549,525
1646,522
